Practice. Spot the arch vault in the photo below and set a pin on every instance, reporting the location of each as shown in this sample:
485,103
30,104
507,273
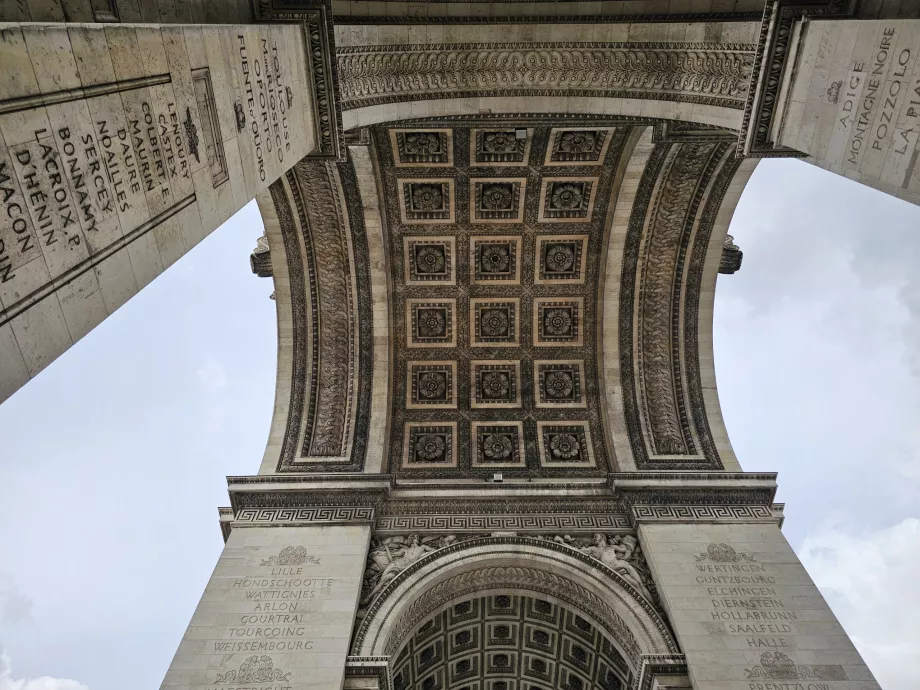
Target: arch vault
495,231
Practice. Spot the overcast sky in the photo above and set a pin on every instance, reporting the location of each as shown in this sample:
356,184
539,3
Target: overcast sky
113,460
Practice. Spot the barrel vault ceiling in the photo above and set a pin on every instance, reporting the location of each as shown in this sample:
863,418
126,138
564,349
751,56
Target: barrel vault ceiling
542,303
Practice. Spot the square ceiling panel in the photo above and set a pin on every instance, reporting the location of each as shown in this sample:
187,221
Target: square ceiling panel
494,263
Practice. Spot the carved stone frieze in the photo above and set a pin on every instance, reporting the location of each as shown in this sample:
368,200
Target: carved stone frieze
619,552
678,198
389,556
326,250
688,72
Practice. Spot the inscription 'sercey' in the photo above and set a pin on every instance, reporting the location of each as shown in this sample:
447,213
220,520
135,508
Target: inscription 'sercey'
69,182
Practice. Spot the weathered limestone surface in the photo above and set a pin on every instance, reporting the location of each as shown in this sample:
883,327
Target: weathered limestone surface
746,613
278,609
853,103
149,11
120,149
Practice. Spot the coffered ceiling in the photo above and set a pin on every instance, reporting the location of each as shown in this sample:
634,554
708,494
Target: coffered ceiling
495,237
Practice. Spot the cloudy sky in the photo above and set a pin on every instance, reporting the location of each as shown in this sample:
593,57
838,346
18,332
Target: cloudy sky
113,460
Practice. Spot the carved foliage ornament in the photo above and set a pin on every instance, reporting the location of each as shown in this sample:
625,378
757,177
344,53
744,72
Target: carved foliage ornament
723,553
687,72
779,666
256,669
331,406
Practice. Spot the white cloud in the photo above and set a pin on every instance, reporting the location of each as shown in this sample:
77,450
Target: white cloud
212,374
15,607
869,579
43,683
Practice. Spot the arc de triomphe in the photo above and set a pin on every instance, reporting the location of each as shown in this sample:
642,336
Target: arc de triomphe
497,459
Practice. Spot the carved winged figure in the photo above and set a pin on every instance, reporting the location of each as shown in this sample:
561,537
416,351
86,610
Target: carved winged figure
616,557
393,556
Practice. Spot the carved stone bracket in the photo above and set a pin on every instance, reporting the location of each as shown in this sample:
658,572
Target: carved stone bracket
773,68
260,261
316,18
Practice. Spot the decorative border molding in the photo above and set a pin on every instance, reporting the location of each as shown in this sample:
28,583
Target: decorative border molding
679,180
501,523
771,62
336,285
704,513
370,666
703,73
312,515
524,507
552,19
659,664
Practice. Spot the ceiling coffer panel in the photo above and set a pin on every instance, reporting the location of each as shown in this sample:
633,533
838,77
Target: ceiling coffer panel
495,236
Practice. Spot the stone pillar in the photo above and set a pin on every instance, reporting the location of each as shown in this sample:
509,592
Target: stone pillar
121,147
852,101
745,611
278,611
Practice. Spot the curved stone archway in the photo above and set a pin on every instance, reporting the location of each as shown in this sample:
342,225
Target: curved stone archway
672,190
507,640
517,566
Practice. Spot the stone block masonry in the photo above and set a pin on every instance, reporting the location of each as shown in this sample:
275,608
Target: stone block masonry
122,147
746,613
277,612
853,102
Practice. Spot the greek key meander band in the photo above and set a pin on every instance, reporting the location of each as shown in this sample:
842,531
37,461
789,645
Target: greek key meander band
311,514
460,523
479,523
690,512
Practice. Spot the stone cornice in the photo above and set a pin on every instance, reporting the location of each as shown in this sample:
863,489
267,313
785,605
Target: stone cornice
709,497
772,61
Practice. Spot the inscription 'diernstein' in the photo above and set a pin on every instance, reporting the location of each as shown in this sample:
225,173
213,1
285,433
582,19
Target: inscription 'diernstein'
745,602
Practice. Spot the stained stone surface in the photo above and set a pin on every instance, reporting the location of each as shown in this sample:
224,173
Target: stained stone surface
121,148
855,102
277,612
746,612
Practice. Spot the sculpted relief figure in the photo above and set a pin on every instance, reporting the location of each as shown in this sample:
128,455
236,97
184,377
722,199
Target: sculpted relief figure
393,555
620,553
